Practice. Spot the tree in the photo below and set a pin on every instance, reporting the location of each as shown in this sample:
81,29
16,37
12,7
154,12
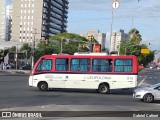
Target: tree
135,36
12,49
3,53
73,41
131,48
26,48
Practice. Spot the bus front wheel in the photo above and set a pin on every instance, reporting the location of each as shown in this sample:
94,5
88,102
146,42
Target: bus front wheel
43,86
103,88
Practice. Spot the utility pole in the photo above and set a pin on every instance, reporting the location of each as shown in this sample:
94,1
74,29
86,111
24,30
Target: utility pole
16,57
115,5
33,46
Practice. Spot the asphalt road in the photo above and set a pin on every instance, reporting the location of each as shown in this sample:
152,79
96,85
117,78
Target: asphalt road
15,94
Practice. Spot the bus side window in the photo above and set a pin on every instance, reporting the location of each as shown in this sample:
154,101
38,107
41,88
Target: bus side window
80,64
123,65
110,65
102,65
45,64
74,64
61,64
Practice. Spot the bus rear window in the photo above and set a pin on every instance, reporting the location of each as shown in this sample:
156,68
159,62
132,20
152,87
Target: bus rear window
45,64
121,65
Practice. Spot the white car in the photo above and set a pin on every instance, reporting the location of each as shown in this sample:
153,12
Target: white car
148,94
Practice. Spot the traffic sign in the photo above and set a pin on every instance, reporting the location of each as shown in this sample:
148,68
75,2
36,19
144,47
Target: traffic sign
115,5
145,51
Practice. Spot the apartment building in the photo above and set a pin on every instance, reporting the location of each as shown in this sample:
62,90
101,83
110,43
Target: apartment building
8,22
116,39
100,37
2,20
38,19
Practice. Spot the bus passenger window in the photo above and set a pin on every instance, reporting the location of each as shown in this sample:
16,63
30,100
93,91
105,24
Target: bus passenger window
102,65
123,65
80,64
61,64
44,65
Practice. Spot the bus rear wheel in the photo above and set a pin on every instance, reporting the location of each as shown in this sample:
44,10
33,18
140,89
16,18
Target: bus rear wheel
103,89
43,86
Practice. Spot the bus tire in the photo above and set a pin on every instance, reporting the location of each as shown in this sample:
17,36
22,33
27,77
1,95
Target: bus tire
103,88
43,86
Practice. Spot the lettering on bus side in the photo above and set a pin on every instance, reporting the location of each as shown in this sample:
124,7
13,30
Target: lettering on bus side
97,77
48,76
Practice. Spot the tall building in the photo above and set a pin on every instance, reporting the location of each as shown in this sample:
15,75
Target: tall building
38,19
100,37
116,39
2,20
8,22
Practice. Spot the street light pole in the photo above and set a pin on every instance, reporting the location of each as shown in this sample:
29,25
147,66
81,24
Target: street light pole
33,47
61,46
16,57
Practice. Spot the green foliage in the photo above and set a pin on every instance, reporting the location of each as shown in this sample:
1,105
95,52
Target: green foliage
131,48
135,36
12,49
26,48
70,44
3,53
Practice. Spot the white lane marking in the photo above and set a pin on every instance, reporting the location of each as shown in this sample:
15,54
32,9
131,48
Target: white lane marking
146,84
141,82
126,108
155,77
150,77
140,76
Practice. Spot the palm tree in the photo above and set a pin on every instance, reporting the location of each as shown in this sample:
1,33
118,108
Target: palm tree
26,48
135,36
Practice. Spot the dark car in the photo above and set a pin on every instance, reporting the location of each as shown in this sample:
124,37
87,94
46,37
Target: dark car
25,67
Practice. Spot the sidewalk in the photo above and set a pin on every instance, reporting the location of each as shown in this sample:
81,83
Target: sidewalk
27,72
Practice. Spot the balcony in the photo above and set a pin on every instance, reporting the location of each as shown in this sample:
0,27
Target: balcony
56,5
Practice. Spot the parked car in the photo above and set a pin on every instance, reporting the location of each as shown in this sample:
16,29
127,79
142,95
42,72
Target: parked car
25,67
148,94
8,66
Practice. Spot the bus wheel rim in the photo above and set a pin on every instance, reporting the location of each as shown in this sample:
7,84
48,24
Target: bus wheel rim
104,89
43,86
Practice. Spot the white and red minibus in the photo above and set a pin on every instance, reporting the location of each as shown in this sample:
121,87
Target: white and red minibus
101,72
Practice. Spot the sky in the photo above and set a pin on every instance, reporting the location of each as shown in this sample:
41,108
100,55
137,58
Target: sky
144,15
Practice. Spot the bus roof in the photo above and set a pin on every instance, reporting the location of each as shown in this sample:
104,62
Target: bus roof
87,56
92,54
